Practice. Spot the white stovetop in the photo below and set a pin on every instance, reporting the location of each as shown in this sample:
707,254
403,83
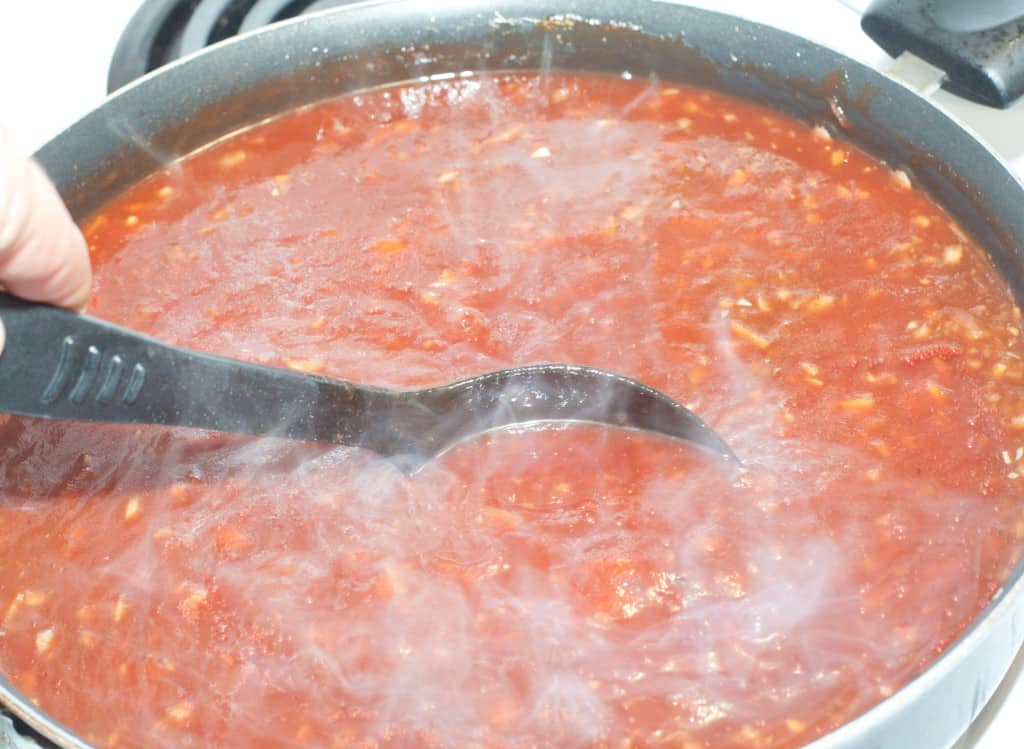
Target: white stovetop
54,56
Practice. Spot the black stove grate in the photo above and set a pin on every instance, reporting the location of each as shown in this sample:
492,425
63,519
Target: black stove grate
164,30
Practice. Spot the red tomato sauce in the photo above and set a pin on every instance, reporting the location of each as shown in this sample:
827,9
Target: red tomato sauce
569,586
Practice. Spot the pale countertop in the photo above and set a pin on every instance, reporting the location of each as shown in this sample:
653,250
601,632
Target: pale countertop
54,54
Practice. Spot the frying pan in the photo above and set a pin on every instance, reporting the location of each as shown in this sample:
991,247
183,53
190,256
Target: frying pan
241,81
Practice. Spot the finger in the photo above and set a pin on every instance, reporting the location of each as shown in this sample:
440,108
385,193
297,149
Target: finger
43,256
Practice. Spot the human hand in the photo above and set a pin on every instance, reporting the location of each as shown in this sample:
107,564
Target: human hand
43,256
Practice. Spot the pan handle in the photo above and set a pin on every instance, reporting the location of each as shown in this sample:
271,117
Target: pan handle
977,43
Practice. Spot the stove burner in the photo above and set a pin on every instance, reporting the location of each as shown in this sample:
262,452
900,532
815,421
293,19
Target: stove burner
164,30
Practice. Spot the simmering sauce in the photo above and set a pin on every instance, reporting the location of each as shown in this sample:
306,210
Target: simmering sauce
561,586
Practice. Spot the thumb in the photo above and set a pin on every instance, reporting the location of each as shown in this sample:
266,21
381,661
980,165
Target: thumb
43,256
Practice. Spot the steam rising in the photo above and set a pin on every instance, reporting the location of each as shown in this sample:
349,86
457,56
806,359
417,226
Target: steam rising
573,583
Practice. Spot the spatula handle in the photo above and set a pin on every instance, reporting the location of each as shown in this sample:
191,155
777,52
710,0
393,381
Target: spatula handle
60,365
